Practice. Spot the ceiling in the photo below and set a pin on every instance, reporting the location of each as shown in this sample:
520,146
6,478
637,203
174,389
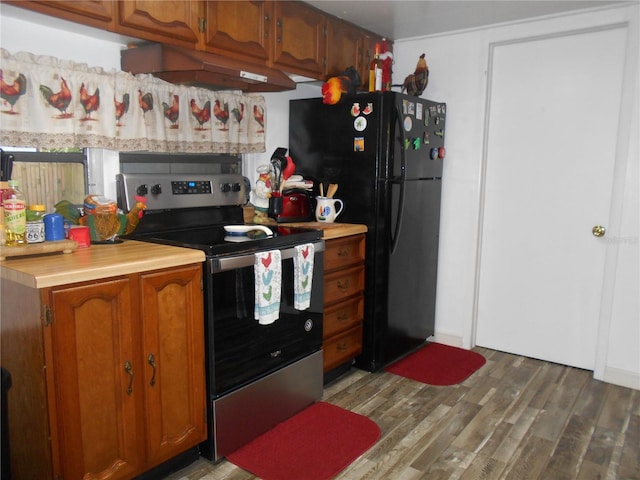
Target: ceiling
400,19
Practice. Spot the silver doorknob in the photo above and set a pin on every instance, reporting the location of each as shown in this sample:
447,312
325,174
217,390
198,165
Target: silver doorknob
598,231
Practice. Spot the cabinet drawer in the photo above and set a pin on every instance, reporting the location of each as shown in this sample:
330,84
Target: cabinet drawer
342,316
342,252
342,348
343,283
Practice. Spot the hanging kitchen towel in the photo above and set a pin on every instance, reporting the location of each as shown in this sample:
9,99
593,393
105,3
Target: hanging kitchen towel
267,269
302,276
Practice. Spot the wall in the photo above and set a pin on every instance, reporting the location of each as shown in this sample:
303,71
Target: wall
458,65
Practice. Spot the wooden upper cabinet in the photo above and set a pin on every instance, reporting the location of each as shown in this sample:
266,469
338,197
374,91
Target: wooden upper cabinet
175,22
94,13
344,44
300,39
239,28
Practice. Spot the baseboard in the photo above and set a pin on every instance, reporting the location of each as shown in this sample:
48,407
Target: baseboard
448,339
624,378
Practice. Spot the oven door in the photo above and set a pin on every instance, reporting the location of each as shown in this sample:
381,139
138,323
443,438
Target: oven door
242,350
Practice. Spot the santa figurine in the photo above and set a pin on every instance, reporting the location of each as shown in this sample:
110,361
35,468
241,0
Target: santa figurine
261,193
387,61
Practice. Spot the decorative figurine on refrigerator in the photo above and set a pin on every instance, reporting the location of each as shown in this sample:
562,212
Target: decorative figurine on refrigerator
415,83
347,82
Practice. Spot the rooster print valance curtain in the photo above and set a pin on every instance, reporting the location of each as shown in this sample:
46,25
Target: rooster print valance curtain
53,103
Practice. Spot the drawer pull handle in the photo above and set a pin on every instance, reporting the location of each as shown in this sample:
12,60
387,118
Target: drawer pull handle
342,346
344,252
343,286
129,369
343,316
152,361
276,354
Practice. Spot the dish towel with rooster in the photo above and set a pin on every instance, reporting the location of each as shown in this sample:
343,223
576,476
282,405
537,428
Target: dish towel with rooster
267,269
302,276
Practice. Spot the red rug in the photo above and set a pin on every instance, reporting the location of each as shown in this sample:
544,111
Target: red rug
438,364
315,444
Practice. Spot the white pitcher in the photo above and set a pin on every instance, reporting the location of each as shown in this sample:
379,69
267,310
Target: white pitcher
326,209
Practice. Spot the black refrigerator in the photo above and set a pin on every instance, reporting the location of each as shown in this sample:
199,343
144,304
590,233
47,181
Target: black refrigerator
386,152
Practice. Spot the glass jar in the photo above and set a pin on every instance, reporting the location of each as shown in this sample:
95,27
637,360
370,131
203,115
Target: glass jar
35,224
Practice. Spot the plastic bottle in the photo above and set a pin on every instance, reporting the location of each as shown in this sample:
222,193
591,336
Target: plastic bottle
35,224
15,215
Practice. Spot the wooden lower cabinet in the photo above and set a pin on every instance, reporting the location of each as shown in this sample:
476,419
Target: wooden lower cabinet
124,368
343,300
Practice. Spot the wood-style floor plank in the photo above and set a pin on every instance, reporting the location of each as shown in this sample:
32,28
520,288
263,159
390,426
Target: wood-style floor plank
515,418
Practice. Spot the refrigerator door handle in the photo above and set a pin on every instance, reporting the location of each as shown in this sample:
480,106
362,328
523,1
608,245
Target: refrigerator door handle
403,179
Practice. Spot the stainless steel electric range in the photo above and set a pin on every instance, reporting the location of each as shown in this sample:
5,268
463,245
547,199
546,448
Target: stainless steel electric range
257,375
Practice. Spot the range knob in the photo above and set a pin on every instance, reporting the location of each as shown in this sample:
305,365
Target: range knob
235,187
156,189
142,189
225,187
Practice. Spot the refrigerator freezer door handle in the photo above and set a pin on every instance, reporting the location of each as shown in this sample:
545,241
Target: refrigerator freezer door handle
403,179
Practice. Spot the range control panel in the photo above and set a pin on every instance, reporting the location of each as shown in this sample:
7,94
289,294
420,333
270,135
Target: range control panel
173,191
189,187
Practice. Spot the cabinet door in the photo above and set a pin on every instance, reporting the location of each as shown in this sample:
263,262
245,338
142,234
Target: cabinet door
239,28
299,43
95,13
173,347
173,22
344,42
97,381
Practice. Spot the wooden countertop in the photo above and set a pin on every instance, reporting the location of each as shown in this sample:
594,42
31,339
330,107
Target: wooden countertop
331,230
96,262
130,256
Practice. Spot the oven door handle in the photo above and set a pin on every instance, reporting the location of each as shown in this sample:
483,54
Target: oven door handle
224,264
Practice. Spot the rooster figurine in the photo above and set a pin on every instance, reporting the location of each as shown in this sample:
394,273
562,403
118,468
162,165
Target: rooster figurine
135,214
12,92
415,83
346,82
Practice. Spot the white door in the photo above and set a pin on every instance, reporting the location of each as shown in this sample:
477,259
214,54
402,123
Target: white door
553,113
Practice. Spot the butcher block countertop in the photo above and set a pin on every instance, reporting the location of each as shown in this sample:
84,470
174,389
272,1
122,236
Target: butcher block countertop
331,230
94,263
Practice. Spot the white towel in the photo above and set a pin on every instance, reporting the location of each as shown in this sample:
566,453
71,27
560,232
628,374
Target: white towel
302,276
268,277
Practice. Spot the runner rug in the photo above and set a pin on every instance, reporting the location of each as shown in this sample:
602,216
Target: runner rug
438,364
315,444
